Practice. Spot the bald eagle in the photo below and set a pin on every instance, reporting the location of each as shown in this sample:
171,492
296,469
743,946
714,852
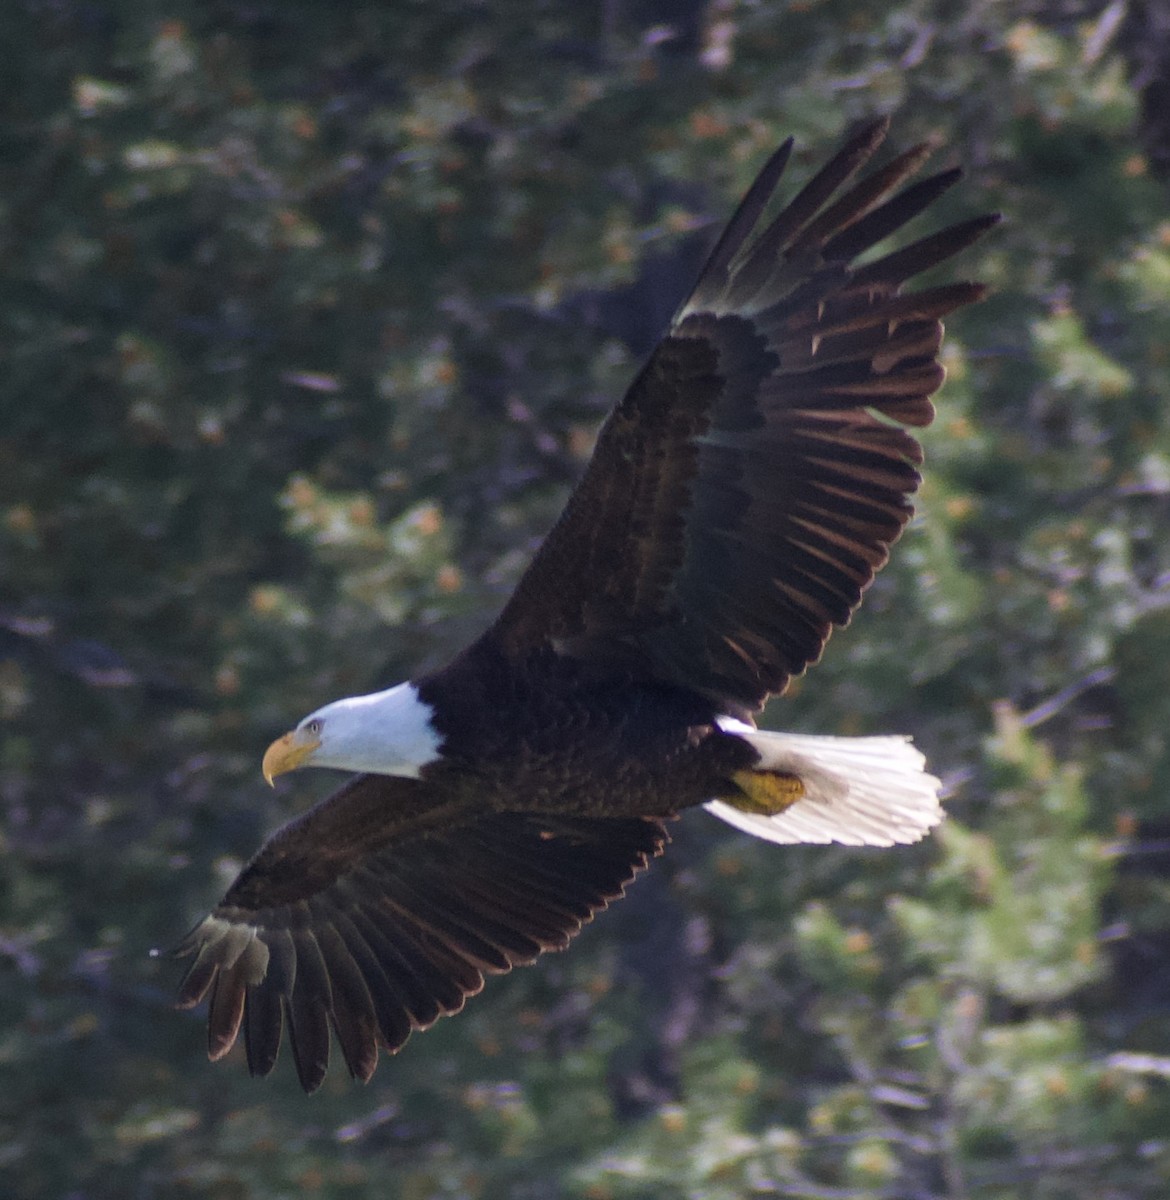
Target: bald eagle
738,502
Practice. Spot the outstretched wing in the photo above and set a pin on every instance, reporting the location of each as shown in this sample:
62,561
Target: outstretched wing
379,911
744,492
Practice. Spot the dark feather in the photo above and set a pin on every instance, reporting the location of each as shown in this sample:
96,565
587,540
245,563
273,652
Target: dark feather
895,268
868,230
309,1010
225,1015
743,221
263,1026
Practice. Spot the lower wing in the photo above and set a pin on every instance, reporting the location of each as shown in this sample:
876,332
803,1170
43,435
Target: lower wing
363,917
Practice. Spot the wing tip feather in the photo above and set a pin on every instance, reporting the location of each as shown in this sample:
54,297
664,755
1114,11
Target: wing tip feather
314,983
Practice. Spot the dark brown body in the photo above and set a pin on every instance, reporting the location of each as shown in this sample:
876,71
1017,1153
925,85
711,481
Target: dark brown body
554,735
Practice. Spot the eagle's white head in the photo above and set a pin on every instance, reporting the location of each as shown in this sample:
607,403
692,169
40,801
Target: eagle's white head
385,733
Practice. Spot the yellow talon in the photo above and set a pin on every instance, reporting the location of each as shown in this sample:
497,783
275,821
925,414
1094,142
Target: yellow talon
765,792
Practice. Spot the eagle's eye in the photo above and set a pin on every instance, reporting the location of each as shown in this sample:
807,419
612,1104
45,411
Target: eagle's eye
314,727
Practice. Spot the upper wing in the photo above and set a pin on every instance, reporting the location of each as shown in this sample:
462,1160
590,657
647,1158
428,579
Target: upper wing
377,912
744,492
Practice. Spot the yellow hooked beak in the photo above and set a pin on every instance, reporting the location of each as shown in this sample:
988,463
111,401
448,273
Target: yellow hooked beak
287,753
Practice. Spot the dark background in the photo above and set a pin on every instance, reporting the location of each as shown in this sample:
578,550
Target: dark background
308,314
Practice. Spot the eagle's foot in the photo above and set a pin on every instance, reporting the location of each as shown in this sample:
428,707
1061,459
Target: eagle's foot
765,792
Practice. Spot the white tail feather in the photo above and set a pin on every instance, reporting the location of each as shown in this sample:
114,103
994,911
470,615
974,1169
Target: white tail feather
859,791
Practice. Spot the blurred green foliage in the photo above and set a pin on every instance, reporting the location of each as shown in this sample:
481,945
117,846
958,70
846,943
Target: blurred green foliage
307,315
